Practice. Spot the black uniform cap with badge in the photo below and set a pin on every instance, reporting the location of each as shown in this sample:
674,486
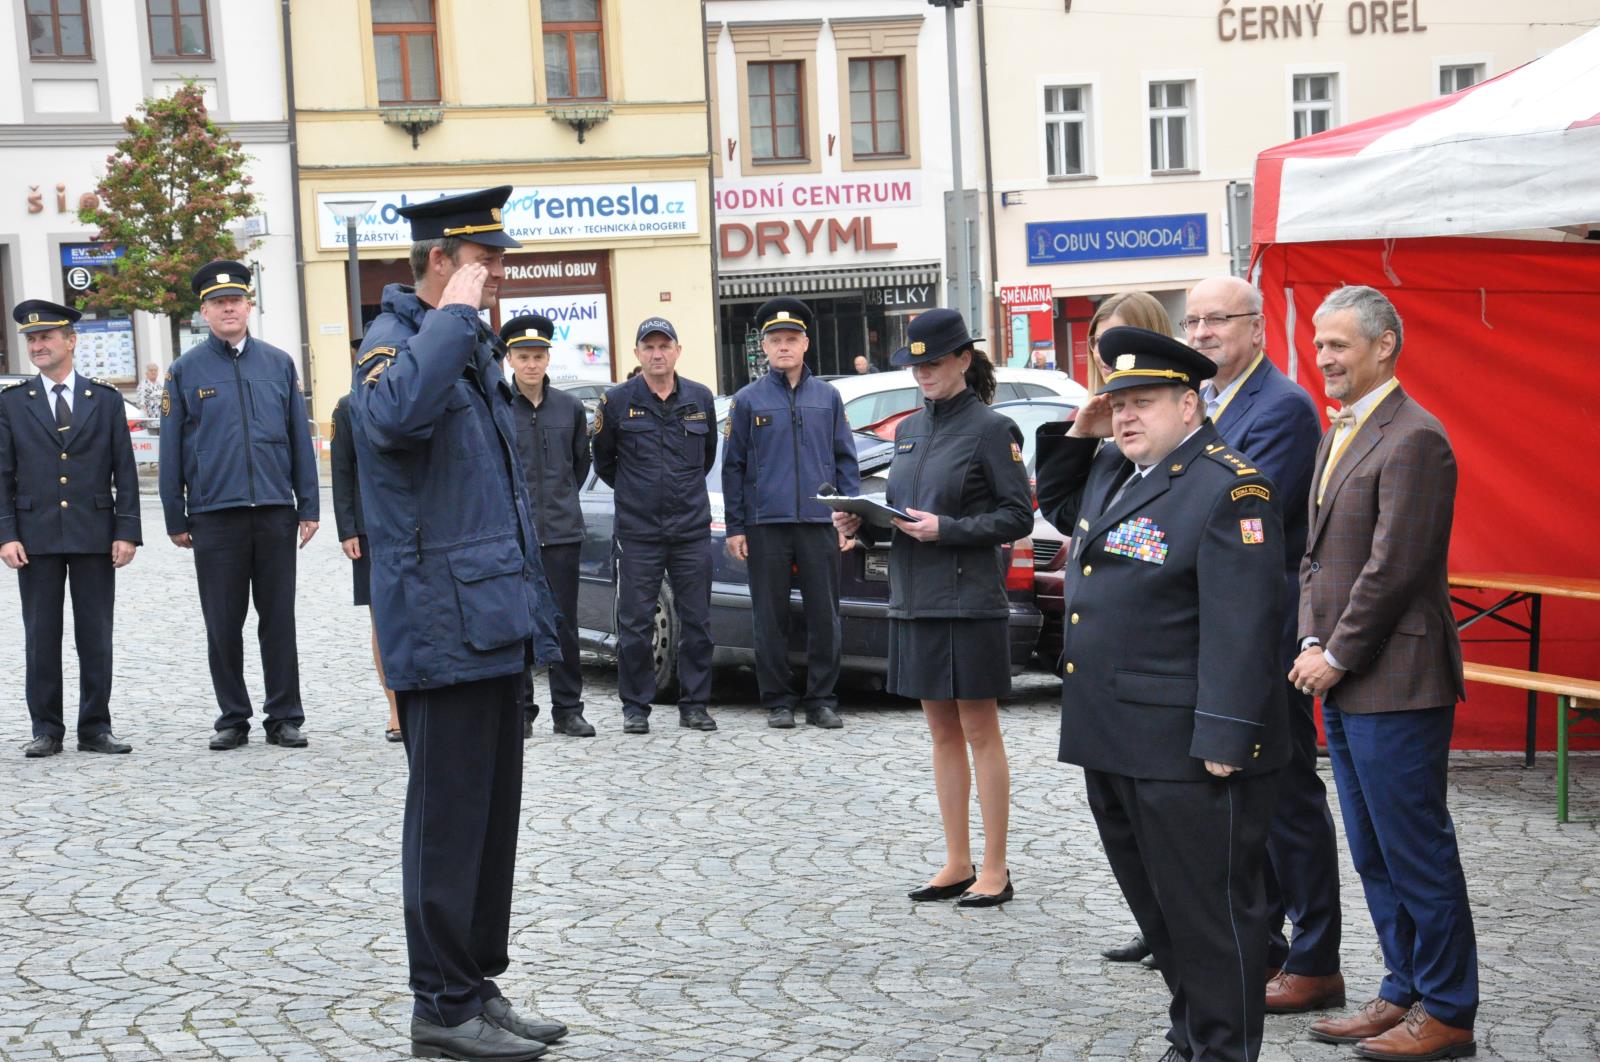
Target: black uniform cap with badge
528,330
784,314
471,216
217,279
931,335
1141,358
37,315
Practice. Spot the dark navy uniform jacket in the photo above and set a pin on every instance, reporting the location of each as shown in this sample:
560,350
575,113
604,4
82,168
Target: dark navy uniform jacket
458,591
234,434
347,518
656,455
73,491
1174,602
553,445
783,444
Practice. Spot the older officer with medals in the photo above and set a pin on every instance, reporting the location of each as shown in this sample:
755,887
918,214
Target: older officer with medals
553,442
462,609
1172,699
69,513
788,439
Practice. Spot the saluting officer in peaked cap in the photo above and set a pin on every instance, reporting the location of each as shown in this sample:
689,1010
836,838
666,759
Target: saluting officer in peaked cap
1141,358
472,216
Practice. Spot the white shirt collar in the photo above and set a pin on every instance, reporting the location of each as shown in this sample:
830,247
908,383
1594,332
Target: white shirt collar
71,381
1369,401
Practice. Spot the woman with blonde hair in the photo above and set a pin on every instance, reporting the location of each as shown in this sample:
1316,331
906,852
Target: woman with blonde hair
1139,309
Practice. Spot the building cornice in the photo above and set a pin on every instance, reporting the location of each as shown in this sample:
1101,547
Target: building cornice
453,167
107,134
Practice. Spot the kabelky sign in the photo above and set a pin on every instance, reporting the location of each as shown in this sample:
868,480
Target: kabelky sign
534,213
1111,239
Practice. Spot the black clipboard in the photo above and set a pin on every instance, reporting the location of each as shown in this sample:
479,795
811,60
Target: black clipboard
872,508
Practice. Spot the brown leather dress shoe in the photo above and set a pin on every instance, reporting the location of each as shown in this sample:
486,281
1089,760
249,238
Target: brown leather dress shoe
1291,993
1376,1017
1420,1036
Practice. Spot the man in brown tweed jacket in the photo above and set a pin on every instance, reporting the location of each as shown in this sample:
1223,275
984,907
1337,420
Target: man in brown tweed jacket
1378,644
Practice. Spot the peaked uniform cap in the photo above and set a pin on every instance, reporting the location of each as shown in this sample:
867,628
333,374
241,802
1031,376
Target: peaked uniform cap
1141,358
472,216
216,279
38,315
528,330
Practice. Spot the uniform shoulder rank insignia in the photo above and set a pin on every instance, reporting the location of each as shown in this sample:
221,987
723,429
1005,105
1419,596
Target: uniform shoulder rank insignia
376,371
634,411
1250,490
1251,532
1016,453
13,386
376,352
1228,459
207,392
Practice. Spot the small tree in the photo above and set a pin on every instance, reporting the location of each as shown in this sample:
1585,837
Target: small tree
170,190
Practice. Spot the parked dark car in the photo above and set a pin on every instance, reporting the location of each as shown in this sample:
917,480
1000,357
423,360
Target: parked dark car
863,588
1049,561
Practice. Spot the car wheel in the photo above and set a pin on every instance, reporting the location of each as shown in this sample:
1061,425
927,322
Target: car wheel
664,644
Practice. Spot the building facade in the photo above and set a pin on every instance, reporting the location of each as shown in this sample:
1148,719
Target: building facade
70,72
831,121
585,107
1117,132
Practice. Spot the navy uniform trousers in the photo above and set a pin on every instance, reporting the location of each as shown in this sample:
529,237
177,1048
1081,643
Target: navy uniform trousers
243,555
459,851
566,675
640,565
1161,839
42,584
780,556
1391,770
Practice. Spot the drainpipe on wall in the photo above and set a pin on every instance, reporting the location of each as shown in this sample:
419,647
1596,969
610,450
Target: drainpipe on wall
724,373
294,203
988,182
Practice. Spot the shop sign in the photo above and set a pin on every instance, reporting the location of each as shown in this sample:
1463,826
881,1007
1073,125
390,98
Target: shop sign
1111,239
580,349
785,238
90,255
902,297
811,192
1271,22
1028,298
534,213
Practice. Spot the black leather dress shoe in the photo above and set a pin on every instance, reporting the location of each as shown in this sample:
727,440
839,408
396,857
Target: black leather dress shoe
988,899
943,892
231,738
42,746
1149,962
696,719
824,717
781,718
475,1040
636,724
393,735
570,724
288,735
1132,951
498,1011
104,742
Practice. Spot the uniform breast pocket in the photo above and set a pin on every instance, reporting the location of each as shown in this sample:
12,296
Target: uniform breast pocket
490,594
636,439
461,427
269,410
692,445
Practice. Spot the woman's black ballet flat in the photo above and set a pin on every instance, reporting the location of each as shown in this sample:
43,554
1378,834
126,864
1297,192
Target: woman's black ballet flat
987,899
943,892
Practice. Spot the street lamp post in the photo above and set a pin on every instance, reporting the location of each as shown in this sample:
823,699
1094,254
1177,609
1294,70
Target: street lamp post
963,247
349,212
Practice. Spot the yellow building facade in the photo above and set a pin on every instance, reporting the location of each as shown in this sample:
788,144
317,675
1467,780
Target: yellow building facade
587,108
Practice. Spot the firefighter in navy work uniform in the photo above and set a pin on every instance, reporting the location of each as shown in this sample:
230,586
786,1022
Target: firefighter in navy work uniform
655,442
1172,696
788,439
238,483
553,443
69,509
462,609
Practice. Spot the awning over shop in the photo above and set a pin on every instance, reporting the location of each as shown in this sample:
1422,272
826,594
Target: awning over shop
847,278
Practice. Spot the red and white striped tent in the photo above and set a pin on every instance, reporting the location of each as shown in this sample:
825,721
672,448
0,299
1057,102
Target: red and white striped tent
1479,214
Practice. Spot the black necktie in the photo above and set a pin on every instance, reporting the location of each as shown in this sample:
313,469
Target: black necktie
1122,488
63,411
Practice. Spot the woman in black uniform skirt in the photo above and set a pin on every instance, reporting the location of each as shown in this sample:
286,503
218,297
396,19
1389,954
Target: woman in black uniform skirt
352,536
958,471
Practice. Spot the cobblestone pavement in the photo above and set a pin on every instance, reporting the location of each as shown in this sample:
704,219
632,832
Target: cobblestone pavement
681,896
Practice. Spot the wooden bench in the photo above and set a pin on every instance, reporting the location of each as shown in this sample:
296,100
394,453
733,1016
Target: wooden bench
1577,700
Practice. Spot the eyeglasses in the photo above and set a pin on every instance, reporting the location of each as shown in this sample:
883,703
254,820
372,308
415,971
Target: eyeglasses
1213,320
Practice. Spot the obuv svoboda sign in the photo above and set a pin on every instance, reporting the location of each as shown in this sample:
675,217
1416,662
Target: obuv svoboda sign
534,213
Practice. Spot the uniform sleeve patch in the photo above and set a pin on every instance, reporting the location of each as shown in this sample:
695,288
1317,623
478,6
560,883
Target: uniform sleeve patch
1250,490
599,419
1251,532
166,400
376,352
1016,453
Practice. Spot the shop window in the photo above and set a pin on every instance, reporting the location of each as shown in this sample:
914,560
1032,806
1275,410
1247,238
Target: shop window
1066,131
877,114
1314,104
179,29
1171,126
58,29
573,67
777,113
405,42
1460,76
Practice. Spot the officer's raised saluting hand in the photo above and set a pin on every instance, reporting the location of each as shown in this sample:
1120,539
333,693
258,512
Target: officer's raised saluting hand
465,286
925,528
1093,420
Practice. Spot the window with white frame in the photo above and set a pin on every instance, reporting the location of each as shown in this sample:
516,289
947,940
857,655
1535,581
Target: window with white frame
1171,126
1458,76
1314,103
1066,131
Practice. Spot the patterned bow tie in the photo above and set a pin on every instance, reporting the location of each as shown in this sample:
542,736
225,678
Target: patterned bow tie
1340,418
